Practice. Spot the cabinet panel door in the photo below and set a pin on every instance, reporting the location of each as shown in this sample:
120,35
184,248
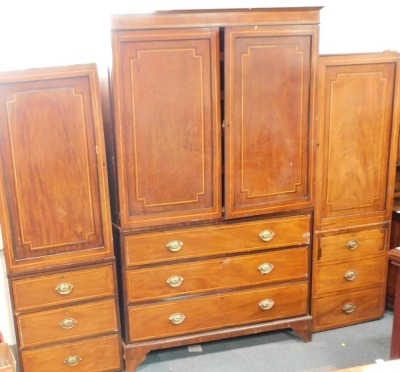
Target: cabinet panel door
269,148
54,192
356,112
167,123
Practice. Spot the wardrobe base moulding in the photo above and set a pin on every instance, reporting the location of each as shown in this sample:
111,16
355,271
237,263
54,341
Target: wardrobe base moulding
136,353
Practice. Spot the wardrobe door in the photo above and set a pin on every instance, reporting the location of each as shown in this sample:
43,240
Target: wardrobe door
269,73
167,125
357,132
54,193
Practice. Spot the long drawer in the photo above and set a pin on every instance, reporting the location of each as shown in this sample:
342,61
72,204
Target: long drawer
216,274
67,323
94,355
205,241
211,312
350,275
63,288
348,308
352,245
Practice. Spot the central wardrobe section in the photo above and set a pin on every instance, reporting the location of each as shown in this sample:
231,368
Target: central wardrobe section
212,172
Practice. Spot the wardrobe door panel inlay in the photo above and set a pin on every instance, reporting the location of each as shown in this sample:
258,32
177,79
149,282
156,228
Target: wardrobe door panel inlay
169,146
361,103
56,145
268,142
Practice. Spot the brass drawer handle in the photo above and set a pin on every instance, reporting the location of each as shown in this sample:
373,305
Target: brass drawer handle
266,268
266,304
349,308
177,318
72,360
175,281
351,275
68,323
352,244
64,288
266,235
175,245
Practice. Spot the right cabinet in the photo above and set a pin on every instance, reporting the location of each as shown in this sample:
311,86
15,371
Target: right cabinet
356,158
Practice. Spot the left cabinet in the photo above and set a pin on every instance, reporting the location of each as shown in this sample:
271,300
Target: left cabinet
55,220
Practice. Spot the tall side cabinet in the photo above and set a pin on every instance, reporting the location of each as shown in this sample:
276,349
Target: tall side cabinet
212,167
56,222
358,119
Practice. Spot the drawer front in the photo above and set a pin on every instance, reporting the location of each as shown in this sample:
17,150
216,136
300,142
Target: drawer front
63,288
67,323
200,242
352,245
227,272
95,355
212,312
349,275
348,308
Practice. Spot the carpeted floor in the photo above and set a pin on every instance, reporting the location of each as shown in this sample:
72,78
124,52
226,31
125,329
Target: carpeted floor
281,351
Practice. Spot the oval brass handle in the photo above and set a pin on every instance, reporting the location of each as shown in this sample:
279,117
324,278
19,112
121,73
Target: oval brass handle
266,235
266,304
175,245
68,323
351,275
72,360
177,318
266,268
64,288
175,281
349,308
352,244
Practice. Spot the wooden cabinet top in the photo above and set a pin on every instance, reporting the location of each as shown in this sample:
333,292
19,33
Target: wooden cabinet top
230,17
